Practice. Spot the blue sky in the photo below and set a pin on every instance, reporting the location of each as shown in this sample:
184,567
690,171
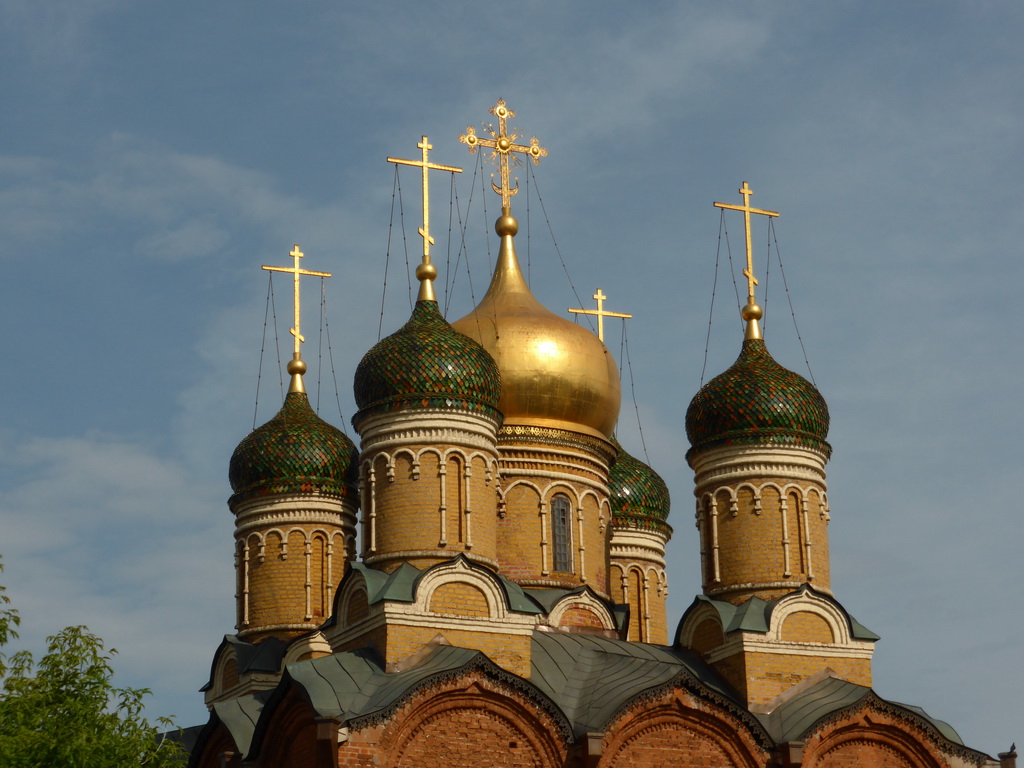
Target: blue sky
154,155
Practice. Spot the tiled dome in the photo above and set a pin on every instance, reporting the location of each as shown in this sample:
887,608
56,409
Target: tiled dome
638,495
757,401
294,452
427,364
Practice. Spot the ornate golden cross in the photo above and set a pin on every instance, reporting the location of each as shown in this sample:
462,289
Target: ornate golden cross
296,254
746,191
601,313
426,275
504,146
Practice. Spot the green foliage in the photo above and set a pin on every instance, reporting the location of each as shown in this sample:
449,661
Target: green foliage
65,711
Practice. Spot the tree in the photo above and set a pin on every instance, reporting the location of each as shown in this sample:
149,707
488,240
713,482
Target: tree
65,711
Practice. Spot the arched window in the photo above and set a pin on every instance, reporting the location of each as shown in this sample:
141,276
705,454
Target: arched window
561,533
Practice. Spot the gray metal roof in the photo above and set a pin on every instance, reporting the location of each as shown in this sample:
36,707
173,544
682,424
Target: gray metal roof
354,684
793,718
591,677
754,615
240,717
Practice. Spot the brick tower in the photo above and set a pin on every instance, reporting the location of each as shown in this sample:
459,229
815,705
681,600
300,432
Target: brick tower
294,502
767,619
427,417
640,531
560,399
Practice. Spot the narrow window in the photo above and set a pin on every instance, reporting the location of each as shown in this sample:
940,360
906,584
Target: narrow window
561,533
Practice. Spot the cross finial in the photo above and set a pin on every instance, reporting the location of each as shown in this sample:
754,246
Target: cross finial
296,367
751,313
601,313
505,148
425,272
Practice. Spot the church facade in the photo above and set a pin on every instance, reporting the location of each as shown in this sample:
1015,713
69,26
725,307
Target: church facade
482,580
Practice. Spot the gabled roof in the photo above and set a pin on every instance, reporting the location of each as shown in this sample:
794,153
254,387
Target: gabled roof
400,585
591,677
797,714
353,687
240,717
264,656
754,615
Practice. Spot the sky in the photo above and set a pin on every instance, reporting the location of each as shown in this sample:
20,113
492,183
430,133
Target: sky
154,155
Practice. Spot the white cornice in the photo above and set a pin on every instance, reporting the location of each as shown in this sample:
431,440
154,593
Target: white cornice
731,463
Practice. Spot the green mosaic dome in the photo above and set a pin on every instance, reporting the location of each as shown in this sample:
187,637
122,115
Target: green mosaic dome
294,452
427,364
757,401
638,495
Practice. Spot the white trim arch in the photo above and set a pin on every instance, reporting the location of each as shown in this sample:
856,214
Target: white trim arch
585,600
459,571
806,601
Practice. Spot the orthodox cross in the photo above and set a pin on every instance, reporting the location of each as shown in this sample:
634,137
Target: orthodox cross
296,254
746,191
601,313
504,146
426,272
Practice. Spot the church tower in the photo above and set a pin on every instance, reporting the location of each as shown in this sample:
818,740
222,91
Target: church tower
640,532
294,504
758,452
428,418
560,400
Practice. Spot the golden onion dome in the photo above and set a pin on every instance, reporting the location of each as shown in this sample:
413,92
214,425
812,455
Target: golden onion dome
554,373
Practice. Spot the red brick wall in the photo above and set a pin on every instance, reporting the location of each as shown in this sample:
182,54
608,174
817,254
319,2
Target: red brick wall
470,723
872,736
681,731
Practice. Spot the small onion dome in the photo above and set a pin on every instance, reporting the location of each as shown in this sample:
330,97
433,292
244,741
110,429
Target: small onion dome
427,364
554,373
757,401
638,495
294,452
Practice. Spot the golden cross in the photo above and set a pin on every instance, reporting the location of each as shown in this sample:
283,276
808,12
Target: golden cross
424,274
504,146
746,191
601,313
296,254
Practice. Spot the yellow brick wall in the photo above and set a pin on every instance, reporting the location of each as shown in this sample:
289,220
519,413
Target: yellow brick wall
643,599
279,578
707,635
752,539
521,532
770,674
459,599
511,652
807,627
407,507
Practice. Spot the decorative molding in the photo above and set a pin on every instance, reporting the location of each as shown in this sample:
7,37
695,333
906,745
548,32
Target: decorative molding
730,463
315,643
443,554
522,433
426,427
584,600
759,585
